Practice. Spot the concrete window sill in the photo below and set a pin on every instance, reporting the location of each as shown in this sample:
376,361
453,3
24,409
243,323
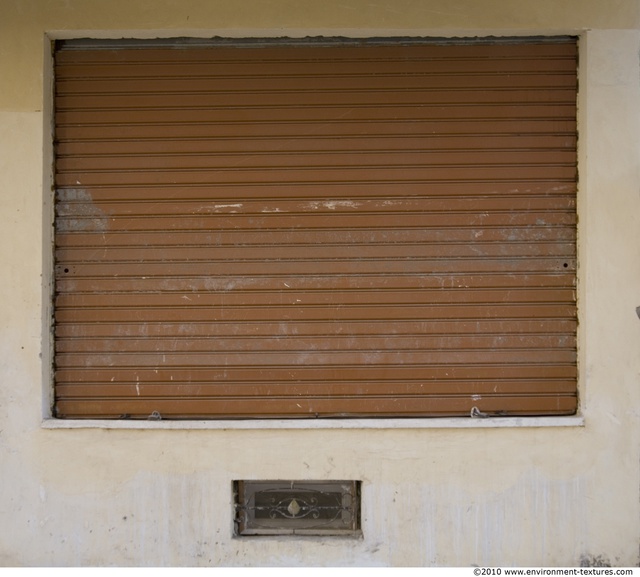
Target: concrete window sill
310,424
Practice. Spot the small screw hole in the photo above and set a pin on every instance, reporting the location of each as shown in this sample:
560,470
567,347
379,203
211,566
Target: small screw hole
566,265
66,270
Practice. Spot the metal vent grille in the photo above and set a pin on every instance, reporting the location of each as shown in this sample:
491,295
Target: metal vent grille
297,507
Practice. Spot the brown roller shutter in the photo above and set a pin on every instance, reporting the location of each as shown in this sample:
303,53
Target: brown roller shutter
316,230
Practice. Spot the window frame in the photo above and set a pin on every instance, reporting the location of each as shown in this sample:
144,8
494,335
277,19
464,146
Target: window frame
371,422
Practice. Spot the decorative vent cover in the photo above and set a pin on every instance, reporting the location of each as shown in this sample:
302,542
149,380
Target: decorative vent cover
297,507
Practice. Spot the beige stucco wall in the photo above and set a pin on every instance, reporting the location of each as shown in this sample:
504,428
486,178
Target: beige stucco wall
516,495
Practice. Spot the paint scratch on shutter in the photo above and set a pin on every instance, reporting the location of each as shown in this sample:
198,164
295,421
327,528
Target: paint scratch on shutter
87,216
332,204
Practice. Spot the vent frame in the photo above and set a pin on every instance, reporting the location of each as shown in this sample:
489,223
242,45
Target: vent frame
317,508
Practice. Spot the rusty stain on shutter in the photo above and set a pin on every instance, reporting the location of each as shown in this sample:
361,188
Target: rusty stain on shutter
316,231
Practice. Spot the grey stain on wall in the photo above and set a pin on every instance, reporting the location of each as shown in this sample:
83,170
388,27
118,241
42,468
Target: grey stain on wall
594,561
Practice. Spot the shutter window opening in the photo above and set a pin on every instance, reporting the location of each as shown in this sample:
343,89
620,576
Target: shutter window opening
307,231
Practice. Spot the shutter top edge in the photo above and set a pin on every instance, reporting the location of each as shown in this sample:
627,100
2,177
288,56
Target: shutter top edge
315,41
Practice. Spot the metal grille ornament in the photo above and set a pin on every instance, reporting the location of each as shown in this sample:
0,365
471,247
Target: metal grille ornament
297,507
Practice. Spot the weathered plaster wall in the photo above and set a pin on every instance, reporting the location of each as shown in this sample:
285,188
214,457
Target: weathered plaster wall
433,496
